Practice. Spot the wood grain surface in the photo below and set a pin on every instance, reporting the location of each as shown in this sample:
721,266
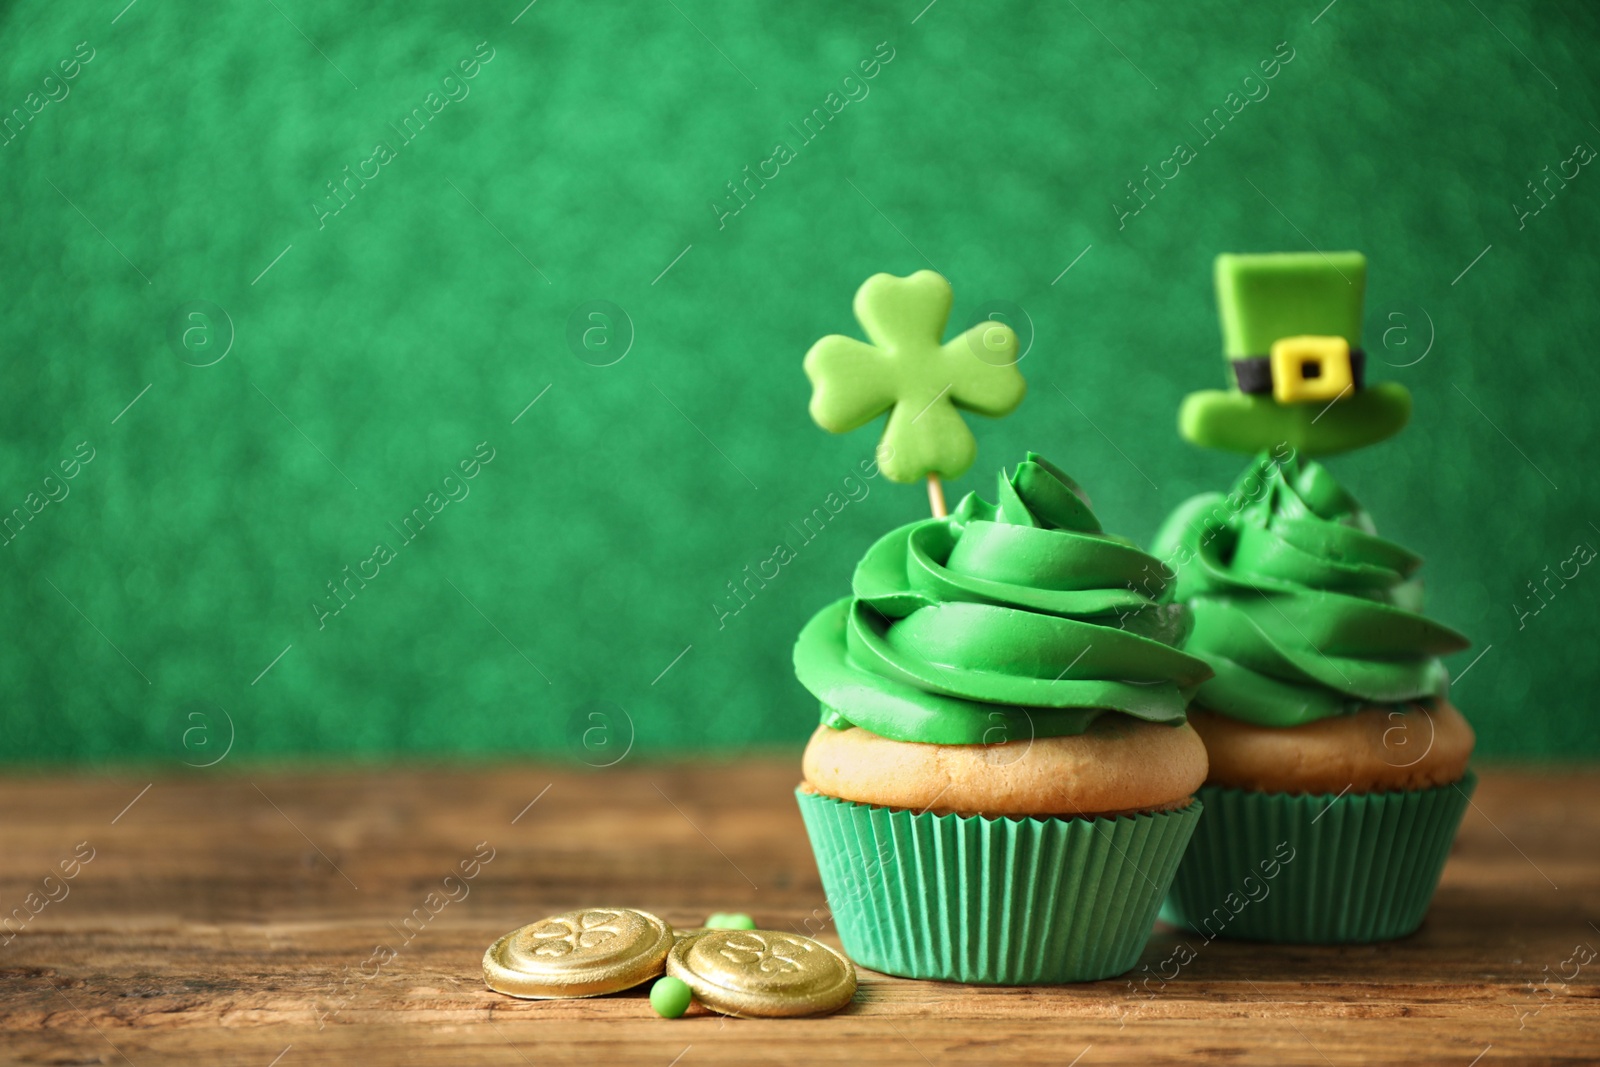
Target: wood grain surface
263,917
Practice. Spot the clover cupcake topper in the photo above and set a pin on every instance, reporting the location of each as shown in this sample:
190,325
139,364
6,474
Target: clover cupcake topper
922,382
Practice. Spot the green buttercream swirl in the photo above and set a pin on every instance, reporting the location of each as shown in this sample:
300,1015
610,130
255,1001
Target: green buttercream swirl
1001,622
1301,609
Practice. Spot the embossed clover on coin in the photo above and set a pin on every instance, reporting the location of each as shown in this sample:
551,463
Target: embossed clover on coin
767,953
924,384
564,934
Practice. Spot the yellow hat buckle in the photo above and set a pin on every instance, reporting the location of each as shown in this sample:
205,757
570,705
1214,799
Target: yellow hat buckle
1309,369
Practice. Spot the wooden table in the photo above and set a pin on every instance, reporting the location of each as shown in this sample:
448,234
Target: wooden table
233,917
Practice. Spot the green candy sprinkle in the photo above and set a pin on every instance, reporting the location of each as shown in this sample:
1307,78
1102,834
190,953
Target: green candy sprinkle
730,920
670,997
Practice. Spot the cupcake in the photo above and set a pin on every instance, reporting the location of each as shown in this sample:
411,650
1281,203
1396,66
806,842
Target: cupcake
1003,780
1338,766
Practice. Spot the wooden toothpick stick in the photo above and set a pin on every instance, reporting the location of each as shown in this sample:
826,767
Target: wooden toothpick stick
936,496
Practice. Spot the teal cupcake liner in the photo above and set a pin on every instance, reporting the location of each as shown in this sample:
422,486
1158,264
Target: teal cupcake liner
1298,869
1000,901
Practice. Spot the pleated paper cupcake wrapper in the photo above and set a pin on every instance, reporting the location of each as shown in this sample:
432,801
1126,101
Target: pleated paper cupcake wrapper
1295,869
1003,901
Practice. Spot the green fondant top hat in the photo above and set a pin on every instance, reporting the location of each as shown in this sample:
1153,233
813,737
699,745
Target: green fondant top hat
1291,332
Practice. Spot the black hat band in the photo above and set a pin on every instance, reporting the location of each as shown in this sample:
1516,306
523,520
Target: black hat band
1254,373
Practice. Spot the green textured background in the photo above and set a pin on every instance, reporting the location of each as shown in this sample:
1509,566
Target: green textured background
538,614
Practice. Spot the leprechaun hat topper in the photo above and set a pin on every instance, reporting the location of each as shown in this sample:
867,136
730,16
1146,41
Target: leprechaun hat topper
1291,332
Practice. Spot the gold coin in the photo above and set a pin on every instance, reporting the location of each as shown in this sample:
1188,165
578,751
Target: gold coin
763,973
581,953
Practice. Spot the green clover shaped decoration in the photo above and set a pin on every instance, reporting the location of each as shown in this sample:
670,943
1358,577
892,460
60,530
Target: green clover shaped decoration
918,380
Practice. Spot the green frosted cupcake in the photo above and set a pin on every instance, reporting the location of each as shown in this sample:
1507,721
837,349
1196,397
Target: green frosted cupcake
1338,767
1002,784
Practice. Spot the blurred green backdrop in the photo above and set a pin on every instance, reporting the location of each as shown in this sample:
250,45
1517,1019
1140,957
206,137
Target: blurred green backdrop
177,194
